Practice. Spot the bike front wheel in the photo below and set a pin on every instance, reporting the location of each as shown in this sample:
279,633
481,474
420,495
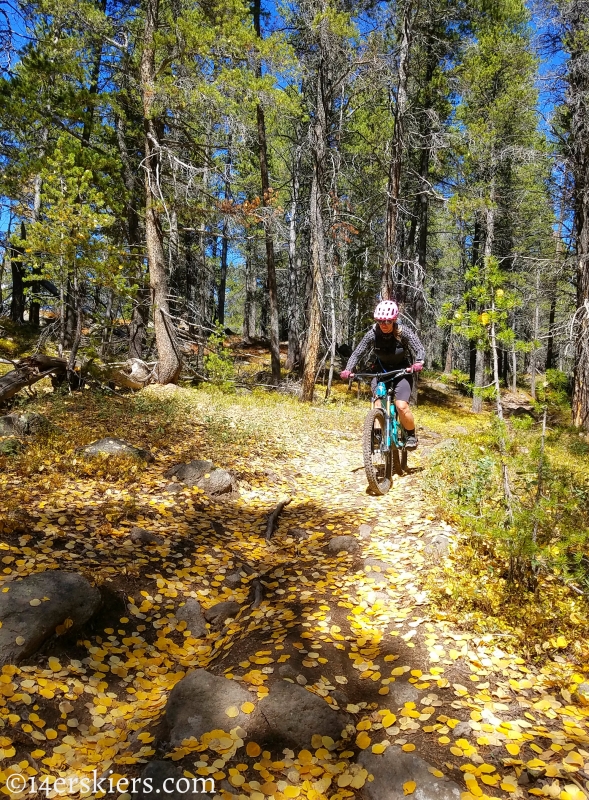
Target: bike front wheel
377,457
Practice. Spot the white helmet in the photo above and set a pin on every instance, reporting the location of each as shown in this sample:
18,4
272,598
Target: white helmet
386,311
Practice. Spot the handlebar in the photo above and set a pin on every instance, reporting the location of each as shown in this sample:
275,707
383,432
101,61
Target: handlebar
381,375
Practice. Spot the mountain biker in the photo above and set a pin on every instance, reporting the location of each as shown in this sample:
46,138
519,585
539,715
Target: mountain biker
394,347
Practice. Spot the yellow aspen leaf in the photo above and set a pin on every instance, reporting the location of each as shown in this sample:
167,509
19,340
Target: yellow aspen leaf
378,748
364,725
253,749
359,779
512,749
443,740
575,758
363,740
436,772
388,720
408,748
409,787
232,711
291,791
20,640
306,757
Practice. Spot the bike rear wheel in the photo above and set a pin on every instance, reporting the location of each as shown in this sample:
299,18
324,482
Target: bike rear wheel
377,457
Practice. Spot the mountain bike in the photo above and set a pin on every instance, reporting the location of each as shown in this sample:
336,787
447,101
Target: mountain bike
384,437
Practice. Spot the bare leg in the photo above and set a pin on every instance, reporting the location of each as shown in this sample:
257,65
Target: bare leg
405,415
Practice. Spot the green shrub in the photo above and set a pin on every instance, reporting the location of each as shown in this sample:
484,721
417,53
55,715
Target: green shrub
219,367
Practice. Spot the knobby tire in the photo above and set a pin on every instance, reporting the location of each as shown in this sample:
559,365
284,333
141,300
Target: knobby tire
377,459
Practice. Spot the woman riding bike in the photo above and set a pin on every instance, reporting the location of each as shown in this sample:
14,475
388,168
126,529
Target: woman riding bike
394,348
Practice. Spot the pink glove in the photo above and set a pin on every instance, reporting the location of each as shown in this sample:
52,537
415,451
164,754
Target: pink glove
345,374
417,367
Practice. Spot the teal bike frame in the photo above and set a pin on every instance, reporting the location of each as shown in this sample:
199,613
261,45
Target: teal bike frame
395,432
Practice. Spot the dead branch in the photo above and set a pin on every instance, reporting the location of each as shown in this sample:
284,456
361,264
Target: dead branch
28,371
273,517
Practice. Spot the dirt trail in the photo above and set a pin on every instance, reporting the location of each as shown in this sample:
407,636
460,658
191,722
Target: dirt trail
355,628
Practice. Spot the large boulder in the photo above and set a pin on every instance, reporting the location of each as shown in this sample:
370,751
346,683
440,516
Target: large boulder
23,424
111,446
395,768
203,474
32,609
198,704
294,714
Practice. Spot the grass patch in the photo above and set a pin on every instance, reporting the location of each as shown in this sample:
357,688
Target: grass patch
525,577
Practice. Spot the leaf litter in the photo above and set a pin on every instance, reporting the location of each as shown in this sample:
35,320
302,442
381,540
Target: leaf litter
482,715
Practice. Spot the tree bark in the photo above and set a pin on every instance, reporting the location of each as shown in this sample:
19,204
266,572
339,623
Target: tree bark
169,360
577,99
140,309
479,378
249,307
392,255
29,371
273,329
317,242
17,305
293,353
34,305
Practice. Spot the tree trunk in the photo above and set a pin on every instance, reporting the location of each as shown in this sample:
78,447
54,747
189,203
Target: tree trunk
533,353
392,254
551,318
293,263
474,258
273,329
577,99
317,241
17,306
77,295
249,307
479,378
34,306
449,354
169,361
513,371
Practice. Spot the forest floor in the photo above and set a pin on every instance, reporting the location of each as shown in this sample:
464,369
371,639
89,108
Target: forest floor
358,629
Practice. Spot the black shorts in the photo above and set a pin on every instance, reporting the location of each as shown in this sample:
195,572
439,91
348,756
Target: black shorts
401,385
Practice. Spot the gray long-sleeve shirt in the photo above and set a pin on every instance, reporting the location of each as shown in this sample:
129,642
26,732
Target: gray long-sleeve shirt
409,341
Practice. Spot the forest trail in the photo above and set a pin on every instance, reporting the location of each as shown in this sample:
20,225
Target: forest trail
355,628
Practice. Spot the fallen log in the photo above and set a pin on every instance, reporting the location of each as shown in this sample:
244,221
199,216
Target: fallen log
133,374
28,371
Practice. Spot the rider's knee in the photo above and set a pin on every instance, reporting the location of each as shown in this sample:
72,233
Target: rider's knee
402,405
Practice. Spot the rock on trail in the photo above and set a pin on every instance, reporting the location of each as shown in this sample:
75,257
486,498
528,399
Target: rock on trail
205,475
198,704
111,446
31,609
393,769
295,714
